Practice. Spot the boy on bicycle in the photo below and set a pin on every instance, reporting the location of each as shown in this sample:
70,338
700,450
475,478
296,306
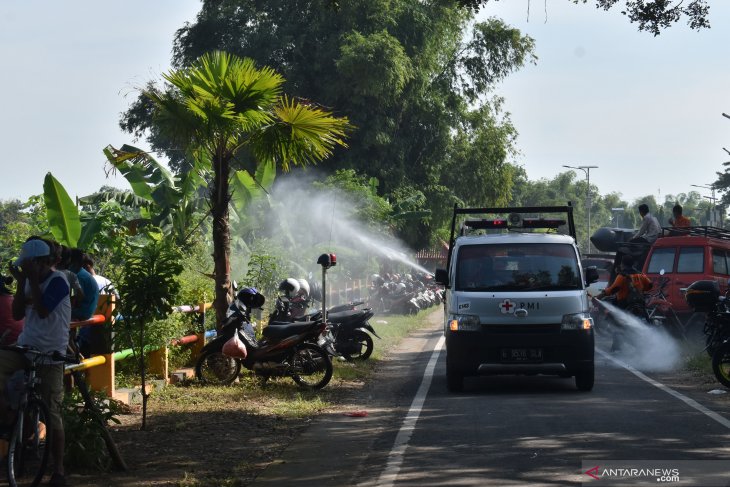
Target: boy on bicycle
42,298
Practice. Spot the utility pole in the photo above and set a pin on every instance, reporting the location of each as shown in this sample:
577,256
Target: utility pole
587,171
711,198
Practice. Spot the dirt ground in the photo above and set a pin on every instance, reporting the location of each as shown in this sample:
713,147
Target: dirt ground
230,446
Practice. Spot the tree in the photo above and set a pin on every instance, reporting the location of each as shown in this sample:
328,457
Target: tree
723,178
148,287
225,112
18,221
564,188
651,15
415,78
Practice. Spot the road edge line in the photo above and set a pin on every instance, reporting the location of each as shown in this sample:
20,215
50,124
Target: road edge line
395,457
690,402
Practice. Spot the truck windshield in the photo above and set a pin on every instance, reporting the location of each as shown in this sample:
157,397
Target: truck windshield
517,267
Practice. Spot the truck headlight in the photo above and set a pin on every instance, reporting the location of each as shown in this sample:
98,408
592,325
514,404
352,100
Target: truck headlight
463,323
577,321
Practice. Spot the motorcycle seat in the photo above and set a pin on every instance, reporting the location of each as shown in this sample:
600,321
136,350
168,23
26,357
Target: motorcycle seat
283,329
349,317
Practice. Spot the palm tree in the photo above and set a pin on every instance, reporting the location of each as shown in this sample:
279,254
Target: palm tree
224,110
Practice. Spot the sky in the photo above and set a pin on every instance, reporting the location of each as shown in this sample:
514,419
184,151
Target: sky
646,110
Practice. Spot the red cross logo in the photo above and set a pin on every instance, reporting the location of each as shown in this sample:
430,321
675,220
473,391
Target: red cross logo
507,306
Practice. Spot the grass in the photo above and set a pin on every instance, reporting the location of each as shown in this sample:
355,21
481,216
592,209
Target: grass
281,397
280,404
700,362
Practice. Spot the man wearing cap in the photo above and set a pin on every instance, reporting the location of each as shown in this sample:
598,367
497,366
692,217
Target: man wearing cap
42,298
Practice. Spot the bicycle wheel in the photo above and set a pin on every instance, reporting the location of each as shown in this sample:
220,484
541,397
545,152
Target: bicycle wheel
311,367
30,444
217,369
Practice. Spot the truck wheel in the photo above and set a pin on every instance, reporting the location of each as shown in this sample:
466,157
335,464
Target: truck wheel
454,381
584,379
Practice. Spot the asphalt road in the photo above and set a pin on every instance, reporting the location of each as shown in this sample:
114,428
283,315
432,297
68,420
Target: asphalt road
510,430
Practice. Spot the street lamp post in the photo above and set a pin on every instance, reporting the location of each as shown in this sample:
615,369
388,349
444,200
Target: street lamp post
711,187
620,212
587,171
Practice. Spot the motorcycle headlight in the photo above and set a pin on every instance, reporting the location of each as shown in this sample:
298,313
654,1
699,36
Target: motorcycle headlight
463,323
577,321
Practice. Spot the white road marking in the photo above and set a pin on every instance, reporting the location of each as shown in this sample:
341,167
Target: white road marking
690,402
395,457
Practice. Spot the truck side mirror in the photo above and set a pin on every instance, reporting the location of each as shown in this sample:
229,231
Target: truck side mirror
442,277
591,274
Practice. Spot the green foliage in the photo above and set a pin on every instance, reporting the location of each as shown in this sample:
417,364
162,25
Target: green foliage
149,285
221,108
414,78
158,197
19,221
361,192
564,188
63,216
359,54
196,284
651,15
265,272
85,447
149,288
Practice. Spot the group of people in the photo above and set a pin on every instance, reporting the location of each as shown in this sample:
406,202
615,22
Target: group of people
650,229
55,285
630,283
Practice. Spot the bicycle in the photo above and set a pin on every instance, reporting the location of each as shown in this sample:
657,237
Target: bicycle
30,439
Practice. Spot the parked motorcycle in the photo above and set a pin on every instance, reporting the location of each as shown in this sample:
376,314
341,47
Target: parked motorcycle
659,310
705,297
721,363
285,350
348,329
404,294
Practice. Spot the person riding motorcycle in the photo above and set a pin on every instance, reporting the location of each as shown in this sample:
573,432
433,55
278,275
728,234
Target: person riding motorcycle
629,287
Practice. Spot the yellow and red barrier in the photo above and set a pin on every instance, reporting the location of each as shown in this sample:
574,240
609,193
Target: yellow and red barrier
100,370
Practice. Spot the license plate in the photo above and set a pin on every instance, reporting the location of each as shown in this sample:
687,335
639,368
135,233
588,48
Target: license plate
522,354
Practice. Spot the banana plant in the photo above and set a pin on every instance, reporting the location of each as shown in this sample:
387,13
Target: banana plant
172,202
64,220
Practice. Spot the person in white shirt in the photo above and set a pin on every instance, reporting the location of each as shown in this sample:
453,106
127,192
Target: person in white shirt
650,229
43,299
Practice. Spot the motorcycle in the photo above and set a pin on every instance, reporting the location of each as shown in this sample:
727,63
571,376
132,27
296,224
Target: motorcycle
285,350
348,329
721,363
400,301
705,297
660,312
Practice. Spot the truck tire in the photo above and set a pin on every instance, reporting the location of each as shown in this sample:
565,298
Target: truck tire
585,378
454,381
